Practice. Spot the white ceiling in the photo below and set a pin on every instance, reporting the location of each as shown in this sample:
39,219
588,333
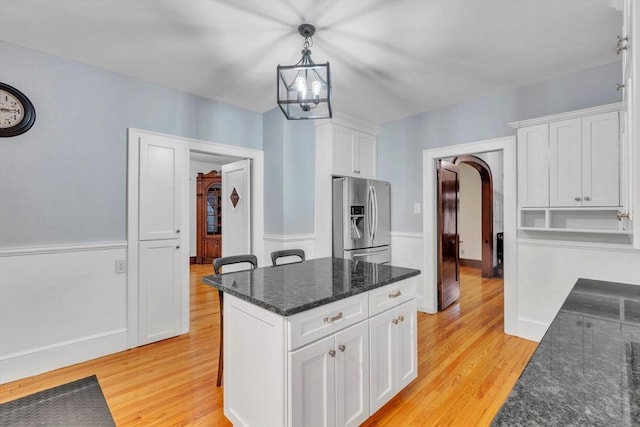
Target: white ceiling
389,58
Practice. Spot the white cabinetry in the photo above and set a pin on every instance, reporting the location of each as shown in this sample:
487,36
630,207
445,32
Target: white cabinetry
585,161
393,352
316,367
570,174
330,380
533,166
353,153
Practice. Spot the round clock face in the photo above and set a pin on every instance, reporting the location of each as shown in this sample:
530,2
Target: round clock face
17,114
11,110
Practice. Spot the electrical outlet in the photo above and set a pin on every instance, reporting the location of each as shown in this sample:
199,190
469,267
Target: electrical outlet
121,266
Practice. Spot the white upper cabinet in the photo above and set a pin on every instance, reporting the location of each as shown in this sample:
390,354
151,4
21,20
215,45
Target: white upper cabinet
601,160
565,163
585,162
533,166
353,153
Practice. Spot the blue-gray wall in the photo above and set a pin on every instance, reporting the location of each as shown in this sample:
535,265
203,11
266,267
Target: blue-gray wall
289,148
401,142
64,181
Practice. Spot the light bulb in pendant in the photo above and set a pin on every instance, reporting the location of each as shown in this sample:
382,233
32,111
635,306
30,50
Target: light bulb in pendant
316,86
301,86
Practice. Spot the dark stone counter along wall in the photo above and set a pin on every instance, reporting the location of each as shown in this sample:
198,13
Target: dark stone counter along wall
586,369
293,288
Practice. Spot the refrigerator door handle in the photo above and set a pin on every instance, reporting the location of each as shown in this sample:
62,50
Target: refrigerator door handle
370,213
369,253
375,213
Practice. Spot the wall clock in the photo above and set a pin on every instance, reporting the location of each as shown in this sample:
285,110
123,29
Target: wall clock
17,114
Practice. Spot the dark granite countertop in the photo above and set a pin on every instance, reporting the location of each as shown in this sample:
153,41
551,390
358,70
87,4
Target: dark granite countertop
293,288
586,369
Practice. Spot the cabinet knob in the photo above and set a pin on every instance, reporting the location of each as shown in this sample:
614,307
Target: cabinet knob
587,198
577,199
178,231
619,86
395,321
401,318
178,247
332,353
342,347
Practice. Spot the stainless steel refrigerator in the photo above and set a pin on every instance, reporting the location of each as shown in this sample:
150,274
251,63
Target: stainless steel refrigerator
361,219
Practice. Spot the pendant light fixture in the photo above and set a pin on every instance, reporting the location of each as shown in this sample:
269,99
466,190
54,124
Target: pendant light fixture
304,89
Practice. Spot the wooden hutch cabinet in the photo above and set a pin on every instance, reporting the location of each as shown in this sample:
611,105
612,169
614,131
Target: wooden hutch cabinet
209,217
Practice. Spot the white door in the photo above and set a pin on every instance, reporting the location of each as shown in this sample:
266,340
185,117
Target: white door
159,304
163,285
236,209
533,166
161,161
382,354
312,384
352,375
406,349
601,160
565,163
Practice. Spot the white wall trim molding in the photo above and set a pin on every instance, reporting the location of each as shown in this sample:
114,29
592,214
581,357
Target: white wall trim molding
578,245
407,234
532,329
617,106
350,122
289,237
46,358
62,248
430,280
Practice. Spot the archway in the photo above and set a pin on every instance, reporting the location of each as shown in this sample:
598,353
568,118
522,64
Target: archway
487,209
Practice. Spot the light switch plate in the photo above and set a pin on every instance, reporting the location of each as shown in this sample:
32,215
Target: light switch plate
416,208
121,266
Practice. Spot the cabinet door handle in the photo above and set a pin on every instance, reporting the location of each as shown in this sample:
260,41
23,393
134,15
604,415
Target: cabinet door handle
619,86
395,294
587,198
577,199
342,347
355,171
332,353
334,318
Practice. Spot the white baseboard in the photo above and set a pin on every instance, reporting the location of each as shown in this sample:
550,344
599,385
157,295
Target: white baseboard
531,329
38,360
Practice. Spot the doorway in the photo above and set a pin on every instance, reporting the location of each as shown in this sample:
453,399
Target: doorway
486,211
177,289
428,289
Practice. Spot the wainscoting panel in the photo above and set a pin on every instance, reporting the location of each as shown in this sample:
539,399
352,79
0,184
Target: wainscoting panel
60,306
306,242
406,251
548,270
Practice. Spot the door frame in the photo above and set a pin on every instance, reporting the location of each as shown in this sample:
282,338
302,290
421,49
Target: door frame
430,228
486,178
192,145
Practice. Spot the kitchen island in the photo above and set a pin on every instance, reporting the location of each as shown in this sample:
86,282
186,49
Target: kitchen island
323,342
586,369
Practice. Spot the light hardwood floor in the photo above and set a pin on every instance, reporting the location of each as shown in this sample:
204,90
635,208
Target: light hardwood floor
467,366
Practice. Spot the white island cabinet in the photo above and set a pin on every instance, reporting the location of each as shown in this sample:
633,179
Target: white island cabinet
325,366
